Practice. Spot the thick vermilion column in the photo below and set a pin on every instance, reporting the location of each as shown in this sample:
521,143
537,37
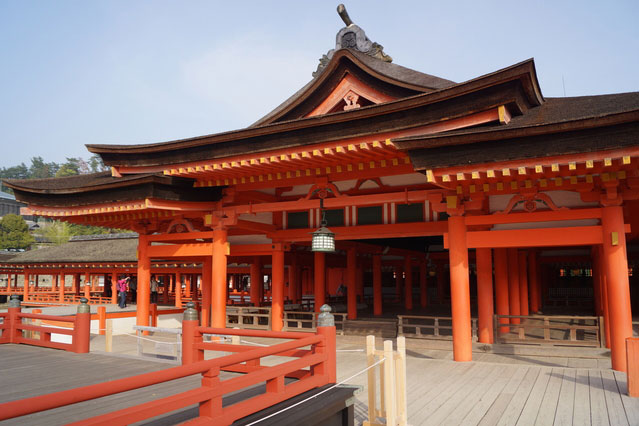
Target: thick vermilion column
351,283
459,289
206,289
114,288
218,279
423,285
54,282
144,278
177,291
501,286
618,287
408,283
399,272
523,283
533,282
377,284
256,281
485,307
61,289
25,290
277,291
513,284
319,282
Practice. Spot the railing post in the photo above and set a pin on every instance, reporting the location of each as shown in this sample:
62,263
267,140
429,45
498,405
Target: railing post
326,327
213,407
82,328
153,311
632,367
389,383
101,320
13,319
191,336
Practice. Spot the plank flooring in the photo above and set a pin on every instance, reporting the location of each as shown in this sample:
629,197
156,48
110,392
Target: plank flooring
440,391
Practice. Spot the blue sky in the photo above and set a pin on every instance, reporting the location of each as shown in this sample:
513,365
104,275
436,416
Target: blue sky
126,72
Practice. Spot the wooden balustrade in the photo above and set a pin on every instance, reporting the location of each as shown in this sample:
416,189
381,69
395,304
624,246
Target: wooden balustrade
552,330
248,317
429,327
313,365
307,321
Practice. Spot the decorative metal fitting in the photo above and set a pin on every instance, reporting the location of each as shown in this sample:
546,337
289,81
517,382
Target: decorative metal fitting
191,314
83,307
325,318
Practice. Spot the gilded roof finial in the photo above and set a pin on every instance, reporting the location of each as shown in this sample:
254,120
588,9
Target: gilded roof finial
341,10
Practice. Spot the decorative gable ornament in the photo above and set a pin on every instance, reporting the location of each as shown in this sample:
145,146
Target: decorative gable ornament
352,37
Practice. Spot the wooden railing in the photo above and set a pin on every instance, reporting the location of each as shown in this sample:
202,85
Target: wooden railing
248,317
307,321
551,330
427,327
314,365
17,331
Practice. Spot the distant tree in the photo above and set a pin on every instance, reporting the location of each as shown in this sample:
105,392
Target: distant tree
16,172
14,233
70,168
57,232
96,165
41,170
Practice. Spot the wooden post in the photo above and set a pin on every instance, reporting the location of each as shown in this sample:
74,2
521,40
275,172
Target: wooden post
459,289
191,336
219,284
61,288
408,283
501,286
82,328
101,320
370,360
277,293
178,289
205,306
256,281
319,282
25,294
114,288
513,284
389,383
400,376
326,328
485,295
351,282
144,277
377,284
632,368
523,283
360,281
616,269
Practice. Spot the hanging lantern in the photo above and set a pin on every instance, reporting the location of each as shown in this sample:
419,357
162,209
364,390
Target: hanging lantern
323,238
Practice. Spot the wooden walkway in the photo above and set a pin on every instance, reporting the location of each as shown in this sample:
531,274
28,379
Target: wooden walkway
440,392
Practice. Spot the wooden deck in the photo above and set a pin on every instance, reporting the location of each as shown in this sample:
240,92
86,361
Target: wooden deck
440,392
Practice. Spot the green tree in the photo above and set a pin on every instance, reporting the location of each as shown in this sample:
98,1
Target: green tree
70,168
41,170
14,233
16,172
57,232
96,164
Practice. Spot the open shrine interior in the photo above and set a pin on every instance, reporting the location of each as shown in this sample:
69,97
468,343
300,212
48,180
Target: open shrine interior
464,200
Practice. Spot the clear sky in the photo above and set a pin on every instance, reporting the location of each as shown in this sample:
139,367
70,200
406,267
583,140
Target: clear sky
126,72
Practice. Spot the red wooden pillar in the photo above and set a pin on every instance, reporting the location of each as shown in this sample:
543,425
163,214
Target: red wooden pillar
501,286
319,282
440,283
459,289
523,283
144,278
76,284
351,283
485,307
61,288
423,284
277,290
616,269
178,289
408,283
54,282
398,282
377,284
87,285
256,281
218,279
205,287
513,284
165,292
533,282
187,285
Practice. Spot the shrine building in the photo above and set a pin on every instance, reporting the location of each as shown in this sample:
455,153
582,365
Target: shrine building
421,181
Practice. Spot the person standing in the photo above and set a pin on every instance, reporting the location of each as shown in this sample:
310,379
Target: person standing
154,290
122,287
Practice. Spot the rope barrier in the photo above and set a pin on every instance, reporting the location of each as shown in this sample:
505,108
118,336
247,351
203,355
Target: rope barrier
319,393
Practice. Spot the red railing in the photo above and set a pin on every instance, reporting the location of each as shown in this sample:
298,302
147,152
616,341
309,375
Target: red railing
314,366
13,327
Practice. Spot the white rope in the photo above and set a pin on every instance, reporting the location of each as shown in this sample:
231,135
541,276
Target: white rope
253,343
319,393
350,350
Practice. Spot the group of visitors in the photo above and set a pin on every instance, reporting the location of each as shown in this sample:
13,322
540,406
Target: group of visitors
128,285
